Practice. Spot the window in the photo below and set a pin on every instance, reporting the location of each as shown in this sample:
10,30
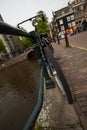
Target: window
62,32
69,25
68,18
73,23
72,17
62,28
60,21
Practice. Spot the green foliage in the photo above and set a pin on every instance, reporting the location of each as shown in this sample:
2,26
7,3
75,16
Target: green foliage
42,26
24,41
2,47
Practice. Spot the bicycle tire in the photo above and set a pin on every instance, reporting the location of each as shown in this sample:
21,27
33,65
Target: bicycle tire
49,55
53,72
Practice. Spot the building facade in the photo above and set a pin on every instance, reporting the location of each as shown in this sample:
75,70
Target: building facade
64,19
80,11
69,17
10,42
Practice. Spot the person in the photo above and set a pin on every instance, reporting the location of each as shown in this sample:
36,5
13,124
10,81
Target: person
67,31
74,29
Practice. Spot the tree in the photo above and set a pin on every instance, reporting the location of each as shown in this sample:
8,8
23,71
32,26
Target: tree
42,24
2,47
24,41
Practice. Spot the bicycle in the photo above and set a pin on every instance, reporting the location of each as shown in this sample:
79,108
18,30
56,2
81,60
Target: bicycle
51,65
44,52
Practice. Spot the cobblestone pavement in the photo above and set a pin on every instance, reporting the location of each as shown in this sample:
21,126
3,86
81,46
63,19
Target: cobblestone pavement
56,113
74,65
79,40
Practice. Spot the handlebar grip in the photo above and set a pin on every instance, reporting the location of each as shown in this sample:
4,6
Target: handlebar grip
10,30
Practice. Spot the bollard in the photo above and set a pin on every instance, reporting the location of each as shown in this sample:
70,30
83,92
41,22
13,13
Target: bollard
66,40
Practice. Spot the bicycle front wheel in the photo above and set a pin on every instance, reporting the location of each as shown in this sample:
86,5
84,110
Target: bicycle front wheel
60,78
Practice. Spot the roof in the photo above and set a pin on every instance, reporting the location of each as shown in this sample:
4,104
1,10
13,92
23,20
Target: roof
62,11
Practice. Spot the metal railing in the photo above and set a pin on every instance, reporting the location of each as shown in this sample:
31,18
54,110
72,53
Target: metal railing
31,122
10,30
7,29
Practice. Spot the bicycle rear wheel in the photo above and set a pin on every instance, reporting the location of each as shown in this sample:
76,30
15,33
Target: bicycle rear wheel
60,78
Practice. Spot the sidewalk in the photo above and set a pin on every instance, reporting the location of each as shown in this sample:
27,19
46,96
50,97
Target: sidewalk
74,65
56,113
79,40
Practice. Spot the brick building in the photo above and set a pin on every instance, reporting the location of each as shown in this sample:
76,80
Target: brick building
80,11
64,20
68,17
10,42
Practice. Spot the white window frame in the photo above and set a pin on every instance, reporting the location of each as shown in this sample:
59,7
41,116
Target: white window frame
68,18
61,21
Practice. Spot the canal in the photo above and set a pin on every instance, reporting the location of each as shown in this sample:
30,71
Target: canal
18,94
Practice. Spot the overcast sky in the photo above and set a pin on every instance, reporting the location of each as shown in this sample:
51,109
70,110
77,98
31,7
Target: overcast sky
15,11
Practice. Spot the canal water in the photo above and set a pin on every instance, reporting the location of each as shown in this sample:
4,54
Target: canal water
18,94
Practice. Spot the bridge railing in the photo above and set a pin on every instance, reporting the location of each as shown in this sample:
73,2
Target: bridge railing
10,30
31,122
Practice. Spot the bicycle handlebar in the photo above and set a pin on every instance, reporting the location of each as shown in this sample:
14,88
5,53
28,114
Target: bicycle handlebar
10,30
30,19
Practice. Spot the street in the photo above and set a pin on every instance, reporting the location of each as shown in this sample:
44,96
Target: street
74,66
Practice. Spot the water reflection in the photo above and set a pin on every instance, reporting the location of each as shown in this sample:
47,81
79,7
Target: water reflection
18,94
